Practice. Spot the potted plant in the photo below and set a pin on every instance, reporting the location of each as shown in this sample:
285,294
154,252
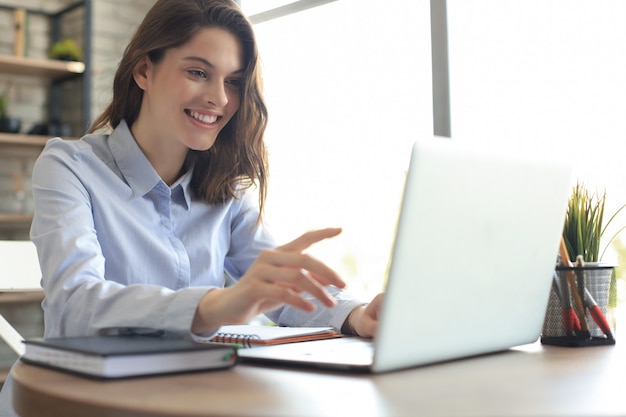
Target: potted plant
66,50
7,124
594,287
584,226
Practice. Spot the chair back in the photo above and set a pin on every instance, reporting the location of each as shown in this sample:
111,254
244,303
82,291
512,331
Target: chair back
19,272
19,266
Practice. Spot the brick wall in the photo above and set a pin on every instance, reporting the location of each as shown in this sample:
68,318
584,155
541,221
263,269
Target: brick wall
16,165
115,21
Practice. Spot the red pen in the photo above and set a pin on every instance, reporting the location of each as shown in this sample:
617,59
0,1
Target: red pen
597,314
569,275
570,319
594,310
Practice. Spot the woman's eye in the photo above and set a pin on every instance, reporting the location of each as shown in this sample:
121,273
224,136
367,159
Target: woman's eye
234,82
198,73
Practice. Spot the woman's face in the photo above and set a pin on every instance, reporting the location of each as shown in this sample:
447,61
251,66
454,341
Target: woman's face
193,92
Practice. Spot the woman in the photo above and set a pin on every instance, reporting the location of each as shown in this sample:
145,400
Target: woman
137,227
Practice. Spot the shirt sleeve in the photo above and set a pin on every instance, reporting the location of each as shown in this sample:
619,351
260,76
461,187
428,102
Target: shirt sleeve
78,298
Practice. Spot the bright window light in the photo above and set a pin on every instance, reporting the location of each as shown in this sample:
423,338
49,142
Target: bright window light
348,86
544,75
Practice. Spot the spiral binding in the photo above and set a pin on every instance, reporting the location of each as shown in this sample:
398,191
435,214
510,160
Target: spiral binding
241,339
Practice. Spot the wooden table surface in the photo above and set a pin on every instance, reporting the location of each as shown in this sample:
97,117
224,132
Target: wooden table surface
530,380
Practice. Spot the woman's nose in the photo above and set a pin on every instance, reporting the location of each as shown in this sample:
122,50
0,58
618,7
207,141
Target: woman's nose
216,93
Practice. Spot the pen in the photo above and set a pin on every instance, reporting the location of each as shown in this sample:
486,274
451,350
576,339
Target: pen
572,284
597,314
594,310
570,320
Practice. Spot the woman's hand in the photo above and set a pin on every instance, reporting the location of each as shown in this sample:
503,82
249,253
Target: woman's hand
363,320
277,277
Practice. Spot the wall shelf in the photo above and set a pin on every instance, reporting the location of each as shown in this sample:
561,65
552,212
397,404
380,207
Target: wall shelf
14,220
34,296
22,147
53,69
21,139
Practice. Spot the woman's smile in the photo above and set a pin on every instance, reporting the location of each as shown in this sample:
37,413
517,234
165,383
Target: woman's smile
208,119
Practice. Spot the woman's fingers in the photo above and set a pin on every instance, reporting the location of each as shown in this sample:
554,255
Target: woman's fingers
296,279
281,295
309,238
277,277
317,270
282,275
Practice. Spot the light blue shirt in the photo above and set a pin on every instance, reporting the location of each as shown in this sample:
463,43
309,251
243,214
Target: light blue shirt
121,251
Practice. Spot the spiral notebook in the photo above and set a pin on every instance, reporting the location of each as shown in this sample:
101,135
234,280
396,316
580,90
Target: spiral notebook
471,268
251,335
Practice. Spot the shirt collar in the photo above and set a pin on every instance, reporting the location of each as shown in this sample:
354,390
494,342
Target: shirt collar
135,167
183,183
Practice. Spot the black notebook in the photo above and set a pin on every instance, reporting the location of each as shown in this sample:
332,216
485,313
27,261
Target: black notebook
126,356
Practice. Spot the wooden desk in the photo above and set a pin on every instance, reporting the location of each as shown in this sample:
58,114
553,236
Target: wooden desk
530,380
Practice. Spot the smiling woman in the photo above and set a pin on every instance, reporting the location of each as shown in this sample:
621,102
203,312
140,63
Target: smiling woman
194,80
138,224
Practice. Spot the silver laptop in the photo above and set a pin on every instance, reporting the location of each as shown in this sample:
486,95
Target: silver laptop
471,268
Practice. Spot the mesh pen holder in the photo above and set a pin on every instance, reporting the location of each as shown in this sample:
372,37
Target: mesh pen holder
591,285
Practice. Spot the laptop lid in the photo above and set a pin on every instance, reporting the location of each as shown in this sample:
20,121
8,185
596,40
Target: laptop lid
470,271
474,254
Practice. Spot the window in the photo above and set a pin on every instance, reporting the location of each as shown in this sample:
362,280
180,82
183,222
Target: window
348,86
546,75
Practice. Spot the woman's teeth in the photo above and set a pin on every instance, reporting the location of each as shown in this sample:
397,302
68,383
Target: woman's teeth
203,117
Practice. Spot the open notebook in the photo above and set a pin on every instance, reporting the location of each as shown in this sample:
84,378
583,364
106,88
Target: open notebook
471,267
248,335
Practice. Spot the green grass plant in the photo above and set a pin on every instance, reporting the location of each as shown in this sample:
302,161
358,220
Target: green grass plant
584,228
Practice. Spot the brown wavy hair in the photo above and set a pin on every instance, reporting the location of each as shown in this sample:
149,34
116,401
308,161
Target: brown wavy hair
238,159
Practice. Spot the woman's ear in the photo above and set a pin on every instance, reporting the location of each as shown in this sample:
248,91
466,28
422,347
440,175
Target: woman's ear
141,72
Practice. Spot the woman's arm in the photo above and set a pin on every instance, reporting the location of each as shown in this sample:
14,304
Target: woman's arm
86,291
